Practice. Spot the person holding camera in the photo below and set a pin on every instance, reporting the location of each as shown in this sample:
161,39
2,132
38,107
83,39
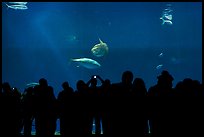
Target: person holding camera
95,102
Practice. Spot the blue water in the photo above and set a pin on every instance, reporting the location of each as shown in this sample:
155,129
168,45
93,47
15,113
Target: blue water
40,41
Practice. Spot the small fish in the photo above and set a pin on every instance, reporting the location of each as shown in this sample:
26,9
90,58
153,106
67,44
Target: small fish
20,7
159,66
169,22
168,16
161,54
168,10
87,63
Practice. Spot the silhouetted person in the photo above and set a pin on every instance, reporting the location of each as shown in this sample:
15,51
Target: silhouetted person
189,88
104,102
179,89
83,108
138,109
10,111
139,88
7,110
199,92
94,93
45,109
101,104
28,110
163,86
67,114
189,108
197,109
18,107
159,106
120,93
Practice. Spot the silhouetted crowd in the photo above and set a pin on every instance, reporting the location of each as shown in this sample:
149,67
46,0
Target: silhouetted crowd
126,108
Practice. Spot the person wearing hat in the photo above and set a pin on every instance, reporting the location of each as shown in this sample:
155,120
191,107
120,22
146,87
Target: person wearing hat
160,113
163,86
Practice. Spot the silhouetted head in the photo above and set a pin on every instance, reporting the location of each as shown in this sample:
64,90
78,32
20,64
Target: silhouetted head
127,77
81,85
165,76
188,83
65,85
107,82
179,85
43,82
6,87
16,92
139,87
138,82
165,79
29,91
196,83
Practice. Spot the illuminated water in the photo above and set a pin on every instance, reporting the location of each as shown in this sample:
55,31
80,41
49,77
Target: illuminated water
40,41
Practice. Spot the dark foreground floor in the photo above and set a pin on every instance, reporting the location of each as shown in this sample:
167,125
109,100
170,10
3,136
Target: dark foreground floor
57,134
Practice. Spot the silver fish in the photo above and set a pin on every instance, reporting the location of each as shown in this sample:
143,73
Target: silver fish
168,16
159,66
87,63
161,55
20,7
169,22
20,3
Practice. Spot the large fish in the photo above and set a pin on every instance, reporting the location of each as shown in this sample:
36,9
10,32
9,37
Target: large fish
100,49
87,63
17,7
